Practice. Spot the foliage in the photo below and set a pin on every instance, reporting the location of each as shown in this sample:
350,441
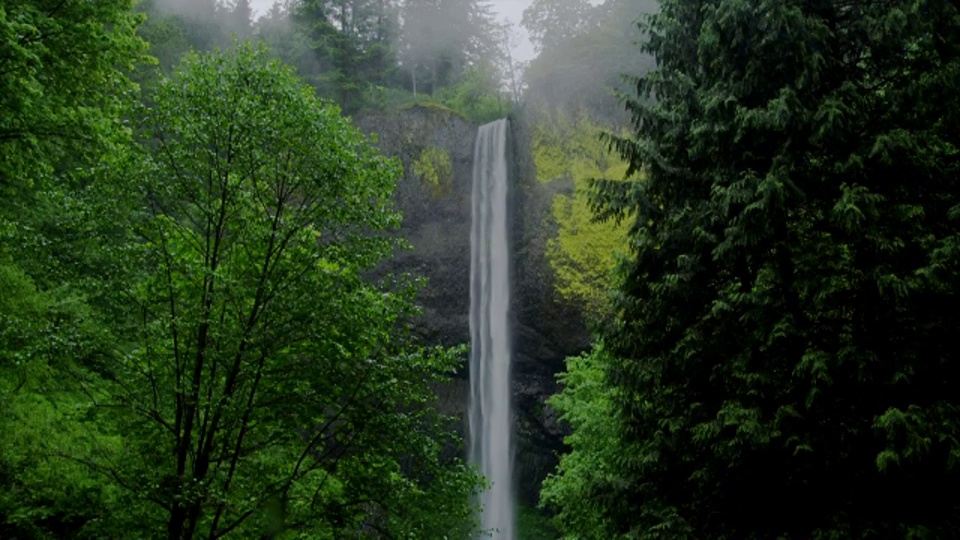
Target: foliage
368,54
272,384
175,27
62,86
583,253
435,169
351,46
359,53
47,339
533,524
785,327
474,98
190,342
588,474
441,39
477,96
63,96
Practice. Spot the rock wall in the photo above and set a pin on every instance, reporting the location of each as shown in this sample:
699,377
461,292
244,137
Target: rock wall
436,148
436,216
546,329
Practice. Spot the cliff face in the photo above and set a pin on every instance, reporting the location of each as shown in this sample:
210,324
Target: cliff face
436,214
436,149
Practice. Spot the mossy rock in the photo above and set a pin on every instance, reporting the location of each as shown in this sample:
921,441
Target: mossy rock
434,168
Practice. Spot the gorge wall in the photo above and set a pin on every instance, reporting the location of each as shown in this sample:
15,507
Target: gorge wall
436,148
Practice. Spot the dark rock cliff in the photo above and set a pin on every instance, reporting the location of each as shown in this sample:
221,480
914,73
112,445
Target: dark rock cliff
436,217
436,148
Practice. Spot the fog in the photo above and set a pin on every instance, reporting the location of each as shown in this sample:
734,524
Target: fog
470,55
506,10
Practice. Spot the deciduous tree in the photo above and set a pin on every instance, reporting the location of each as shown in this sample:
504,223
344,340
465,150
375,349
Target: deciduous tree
267,385
62,83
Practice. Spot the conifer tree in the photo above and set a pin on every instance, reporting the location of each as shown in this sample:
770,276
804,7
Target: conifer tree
784,361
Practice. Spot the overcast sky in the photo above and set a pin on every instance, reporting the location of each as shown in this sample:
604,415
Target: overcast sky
511,10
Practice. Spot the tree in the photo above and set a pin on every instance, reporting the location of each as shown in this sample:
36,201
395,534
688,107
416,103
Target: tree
64,97
46,338
278,31
62,83
510,69
240,17
582,61
477,95
176,27
259,382
551,22
442,39
783,359
352,46
588,473
237,244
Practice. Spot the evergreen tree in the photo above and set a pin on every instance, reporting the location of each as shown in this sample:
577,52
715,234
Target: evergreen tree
240,18
784,359
442,39
351,45
584,52
175,27
551,22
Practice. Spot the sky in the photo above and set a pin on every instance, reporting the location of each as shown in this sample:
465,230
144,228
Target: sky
510,10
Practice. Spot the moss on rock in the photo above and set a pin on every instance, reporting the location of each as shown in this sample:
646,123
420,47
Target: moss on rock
434,168
583,252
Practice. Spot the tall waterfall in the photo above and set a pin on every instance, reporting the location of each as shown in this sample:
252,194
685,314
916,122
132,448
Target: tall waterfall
490,408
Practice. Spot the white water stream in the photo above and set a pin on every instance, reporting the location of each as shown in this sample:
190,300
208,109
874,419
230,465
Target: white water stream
491,417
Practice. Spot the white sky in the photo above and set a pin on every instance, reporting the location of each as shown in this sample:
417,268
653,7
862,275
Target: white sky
511,10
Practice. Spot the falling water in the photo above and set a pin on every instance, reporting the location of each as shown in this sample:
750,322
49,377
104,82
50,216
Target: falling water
490,414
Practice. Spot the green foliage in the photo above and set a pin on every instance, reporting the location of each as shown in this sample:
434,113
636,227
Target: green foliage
271,384
441,39
62,86
477,96
360,54
189,341
347,47
784,333
588,474
63,96
176,27
534,525
435,169
583,253
783,336
44,337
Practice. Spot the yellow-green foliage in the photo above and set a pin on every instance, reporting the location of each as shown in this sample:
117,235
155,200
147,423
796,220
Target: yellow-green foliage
435,169
583,252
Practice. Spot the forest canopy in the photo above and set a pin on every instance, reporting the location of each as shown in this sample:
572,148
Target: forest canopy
362,54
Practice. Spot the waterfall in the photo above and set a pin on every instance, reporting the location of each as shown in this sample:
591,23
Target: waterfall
491,416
